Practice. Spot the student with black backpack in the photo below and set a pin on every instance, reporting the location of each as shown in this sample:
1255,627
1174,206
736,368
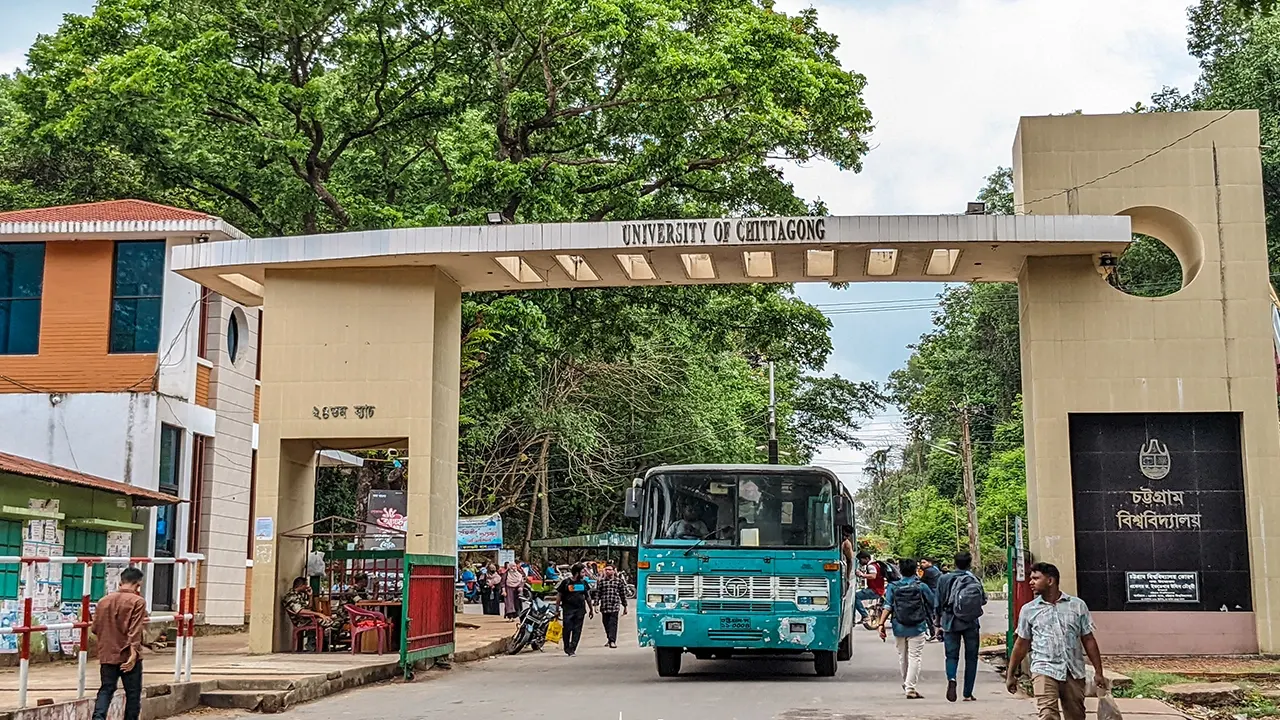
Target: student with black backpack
910,603
961,597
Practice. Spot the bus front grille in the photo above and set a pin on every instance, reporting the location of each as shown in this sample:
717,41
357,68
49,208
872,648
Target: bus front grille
738,606
736,635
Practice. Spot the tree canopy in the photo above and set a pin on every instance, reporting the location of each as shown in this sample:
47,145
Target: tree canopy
304,116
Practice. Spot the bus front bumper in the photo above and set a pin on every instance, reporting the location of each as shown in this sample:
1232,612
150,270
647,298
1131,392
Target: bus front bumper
778,632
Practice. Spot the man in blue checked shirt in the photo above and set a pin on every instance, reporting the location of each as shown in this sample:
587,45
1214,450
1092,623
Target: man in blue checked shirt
1057,630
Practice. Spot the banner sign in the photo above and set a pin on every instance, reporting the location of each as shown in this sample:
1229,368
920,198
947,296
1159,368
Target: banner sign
387,509
480,533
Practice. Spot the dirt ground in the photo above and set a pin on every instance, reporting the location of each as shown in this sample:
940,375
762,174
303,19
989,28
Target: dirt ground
1197,665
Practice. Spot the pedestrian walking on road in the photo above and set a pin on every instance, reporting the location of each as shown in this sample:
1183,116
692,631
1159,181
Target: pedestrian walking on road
1056,629
574,605
909,602
491,591
960,600
118,622
513,583
611,596
930,575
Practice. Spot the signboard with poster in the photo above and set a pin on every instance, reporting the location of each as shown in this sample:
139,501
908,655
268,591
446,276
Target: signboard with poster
480,533
387,509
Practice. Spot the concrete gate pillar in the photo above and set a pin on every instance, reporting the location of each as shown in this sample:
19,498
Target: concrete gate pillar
1192,180
354,358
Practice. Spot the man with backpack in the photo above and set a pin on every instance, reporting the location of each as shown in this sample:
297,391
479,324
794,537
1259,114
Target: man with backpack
909,602
872,573
961,597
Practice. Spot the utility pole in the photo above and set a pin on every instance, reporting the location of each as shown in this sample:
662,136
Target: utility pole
970,492
773,421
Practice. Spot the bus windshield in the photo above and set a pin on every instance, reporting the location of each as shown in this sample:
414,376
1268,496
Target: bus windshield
784,510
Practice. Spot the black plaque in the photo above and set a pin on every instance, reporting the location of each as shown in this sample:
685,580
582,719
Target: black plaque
1162,587
1159,493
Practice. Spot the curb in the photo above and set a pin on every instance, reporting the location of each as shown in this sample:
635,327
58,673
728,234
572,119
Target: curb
172,699
497,647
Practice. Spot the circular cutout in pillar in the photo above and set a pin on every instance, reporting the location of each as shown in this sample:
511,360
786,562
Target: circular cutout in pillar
1166,254
1148,268
235,326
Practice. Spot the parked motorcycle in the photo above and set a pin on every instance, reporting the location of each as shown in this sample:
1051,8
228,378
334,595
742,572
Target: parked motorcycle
532,623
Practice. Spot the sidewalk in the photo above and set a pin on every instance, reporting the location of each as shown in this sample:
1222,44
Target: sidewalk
223,670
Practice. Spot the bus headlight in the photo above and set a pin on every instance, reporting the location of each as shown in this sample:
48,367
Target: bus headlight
655,598
813,600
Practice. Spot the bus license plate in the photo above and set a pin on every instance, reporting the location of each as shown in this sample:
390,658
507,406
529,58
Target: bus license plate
732,623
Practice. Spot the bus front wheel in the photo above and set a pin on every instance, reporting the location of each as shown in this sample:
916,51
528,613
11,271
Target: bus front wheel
846,647
668,660
824,661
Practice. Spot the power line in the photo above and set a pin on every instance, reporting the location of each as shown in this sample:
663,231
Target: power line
1122,168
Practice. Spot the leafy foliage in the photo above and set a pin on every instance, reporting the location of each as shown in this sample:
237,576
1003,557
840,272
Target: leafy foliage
305,116
297,115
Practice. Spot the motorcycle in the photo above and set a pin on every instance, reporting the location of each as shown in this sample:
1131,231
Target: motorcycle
631,588
874,607
532,623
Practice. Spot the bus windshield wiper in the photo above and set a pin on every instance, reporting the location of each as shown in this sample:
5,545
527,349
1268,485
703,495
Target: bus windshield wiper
695,546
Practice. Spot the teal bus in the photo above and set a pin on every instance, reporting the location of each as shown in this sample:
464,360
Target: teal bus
742,559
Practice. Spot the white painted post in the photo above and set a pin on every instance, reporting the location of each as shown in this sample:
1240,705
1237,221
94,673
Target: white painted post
179,620
83,656
192,579
24,663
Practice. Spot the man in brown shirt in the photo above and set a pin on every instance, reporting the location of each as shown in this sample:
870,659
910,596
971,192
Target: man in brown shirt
118,623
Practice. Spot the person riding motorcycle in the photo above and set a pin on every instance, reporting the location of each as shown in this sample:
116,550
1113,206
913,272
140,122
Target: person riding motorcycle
871,573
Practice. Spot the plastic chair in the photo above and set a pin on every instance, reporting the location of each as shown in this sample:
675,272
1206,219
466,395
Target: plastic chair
366,621
300,630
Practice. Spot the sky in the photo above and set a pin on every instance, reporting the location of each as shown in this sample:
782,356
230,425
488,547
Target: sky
947,81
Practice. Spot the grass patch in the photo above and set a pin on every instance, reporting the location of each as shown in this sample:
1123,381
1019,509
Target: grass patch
1148,684
992,640
1257,706
994,583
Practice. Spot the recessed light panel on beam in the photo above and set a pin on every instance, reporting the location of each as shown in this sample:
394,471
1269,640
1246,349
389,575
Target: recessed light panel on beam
698,266
758,263
576,267
820,263
637,267
519,269
882,262
942,262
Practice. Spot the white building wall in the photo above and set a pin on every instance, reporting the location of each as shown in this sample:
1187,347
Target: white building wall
117,436
111,435
179,333
225,522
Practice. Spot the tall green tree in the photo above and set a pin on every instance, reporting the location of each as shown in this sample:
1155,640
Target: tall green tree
298,115
301,116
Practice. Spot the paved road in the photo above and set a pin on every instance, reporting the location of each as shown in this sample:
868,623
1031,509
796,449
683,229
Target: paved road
604,684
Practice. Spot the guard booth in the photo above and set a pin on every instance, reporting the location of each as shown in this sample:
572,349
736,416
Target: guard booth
409,589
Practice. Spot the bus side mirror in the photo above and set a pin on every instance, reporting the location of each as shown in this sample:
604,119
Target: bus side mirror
844,512
634,497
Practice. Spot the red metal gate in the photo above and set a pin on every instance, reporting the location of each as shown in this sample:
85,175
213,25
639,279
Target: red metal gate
428,608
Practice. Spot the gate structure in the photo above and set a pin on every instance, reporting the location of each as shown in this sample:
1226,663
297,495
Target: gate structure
427,624
1151,423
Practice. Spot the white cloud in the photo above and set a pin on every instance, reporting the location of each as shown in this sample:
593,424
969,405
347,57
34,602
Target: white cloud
948,79
11,60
